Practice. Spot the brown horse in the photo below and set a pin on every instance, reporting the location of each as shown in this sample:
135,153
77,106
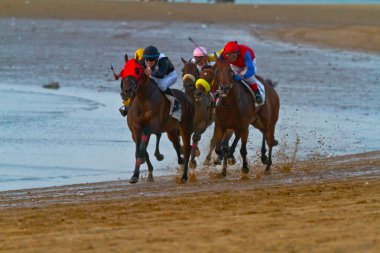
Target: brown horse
157,152
149,114
203,105
237,111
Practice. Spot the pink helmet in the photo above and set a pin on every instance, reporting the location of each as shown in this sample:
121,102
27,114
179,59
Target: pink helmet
199,51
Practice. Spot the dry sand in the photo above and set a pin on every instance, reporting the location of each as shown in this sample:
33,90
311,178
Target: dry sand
329,205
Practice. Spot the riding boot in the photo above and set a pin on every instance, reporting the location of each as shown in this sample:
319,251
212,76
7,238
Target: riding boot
176,111
258,98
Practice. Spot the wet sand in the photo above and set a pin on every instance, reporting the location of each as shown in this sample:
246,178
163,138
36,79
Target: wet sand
329,205
324,205
355,27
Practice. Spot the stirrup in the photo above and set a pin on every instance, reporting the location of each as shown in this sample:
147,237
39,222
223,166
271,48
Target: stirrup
258,99
176,106
123,111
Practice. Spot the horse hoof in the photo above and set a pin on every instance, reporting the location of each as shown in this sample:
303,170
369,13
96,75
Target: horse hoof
231,161
218,161
207,162
134,179
183,180
197,152
193,164
264,159
275,142
150,178
245,170
267,172
180,161
159,157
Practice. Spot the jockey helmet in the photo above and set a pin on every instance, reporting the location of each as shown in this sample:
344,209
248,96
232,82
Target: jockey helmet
199,52
231,47
151,53
139,54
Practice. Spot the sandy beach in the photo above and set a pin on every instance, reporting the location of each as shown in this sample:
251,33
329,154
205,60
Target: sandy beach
321,204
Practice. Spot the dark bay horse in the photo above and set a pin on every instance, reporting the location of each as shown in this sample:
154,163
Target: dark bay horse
237,111
149,114
203,105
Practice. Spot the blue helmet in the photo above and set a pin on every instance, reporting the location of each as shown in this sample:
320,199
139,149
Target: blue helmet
151,53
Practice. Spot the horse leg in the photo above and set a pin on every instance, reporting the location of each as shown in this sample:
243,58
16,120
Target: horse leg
271,142
157,153
144,144
186,136
194,147
264,158
150,167
231,158
219,153
136,172
214,141
225,152
243,150
174,138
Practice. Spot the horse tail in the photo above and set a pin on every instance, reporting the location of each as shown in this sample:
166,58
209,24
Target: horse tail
271,83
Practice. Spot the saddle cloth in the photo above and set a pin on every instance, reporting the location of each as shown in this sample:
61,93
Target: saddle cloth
261,89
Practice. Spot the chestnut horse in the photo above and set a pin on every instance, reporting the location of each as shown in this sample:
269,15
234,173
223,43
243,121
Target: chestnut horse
203,105
237,111
149,114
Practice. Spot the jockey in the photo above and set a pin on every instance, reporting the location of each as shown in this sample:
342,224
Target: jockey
242,60
138,56
201,58
161,70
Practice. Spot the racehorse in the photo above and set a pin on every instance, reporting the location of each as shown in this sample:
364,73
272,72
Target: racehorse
236,110
149,114
203,105
157,153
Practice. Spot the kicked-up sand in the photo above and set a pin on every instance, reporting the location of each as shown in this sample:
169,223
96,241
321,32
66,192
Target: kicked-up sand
324,205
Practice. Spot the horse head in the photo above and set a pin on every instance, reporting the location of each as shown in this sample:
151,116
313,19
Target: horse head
204,84
190,74
134,78
223,75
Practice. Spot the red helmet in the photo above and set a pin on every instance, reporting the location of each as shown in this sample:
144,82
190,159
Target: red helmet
231,47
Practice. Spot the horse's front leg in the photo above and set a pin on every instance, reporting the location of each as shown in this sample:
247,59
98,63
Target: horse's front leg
231,158
150,168
136,172
216,138
157,153
243,149
144,144
225,153
194,147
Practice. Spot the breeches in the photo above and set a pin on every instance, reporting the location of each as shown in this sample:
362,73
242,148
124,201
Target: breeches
166,81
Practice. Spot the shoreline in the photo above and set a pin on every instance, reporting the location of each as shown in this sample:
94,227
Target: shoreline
352,27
